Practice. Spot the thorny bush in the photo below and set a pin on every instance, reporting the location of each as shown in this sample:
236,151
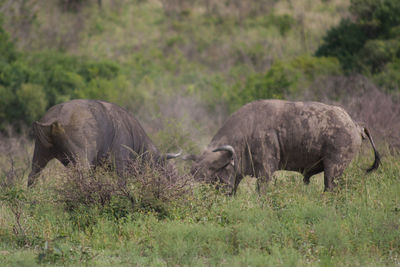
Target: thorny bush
12,173
146,186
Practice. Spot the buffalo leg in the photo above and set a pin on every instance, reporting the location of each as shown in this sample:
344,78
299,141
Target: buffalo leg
332,170
312,171
122,160
238,178
262,182
263,176
41,156
262,185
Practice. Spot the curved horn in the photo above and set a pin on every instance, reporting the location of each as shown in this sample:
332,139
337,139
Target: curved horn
225,148
234,163
173,155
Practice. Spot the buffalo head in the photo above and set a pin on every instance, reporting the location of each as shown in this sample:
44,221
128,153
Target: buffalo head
216,166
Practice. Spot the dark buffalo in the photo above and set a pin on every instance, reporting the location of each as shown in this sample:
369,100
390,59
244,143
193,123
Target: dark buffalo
88,132
269,135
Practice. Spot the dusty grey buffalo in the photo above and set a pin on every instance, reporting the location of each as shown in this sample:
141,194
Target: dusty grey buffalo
269,135
88,132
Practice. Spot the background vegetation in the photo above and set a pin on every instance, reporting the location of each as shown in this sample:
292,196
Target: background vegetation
182,66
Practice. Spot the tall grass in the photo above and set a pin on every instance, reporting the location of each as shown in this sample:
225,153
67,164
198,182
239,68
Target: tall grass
292,224
183,59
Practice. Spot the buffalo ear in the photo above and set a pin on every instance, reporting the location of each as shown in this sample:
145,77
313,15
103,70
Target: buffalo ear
231,156
191,157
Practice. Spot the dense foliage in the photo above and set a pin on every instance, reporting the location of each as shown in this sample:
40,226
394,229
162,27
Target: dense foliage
30,83
369,42
74,218
197,59
181,67
284,79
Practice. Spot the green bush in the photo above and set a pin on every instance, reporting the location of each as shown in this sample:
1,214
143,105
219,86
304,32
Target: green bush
274,84
174,137
379,16
103,89
32,101
8,52
389,78
283,79
343,42
30,83
13,75
60,84
103,69
369,41
377,53
65,77
6,97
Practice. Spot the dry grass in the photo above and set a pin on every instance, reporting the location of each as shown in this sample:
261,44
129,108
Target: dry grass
44,24
145,182
15,150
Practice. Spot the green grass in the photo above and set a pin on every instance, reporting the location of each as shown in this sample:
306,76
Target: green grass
292,225
185,68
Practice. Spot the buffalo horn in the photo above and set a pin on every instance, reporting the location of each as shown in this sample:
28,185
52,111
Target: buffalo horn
225,148
173,155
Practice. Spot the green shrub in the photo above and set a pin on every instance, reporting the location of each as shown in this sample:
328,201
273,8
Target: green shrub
213,91
377,53
8,52
13,75
343,42
389,78
174,137
284,23
101,89
32,83
369,41
274,84
16,92
65,77
60,84
312,67
283,79
6,98
379,16
103,69
32,101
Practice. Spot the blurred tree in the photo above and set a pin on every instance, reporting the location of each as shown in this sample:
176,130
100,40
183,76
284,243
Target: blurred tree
284,79
8,52
32,82
75,5
32,102
367,42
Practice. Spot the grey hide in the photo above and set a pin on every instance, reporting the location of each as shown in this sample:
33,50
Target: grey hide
269,135
88,132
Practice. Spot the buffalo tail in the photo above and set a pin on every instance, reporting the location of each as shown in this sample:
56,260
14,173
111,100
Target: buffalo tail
377,156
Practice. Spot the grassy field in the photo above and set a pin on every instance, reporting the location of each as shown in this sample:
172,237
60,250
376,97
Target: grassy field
176,60
292,225
181,67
